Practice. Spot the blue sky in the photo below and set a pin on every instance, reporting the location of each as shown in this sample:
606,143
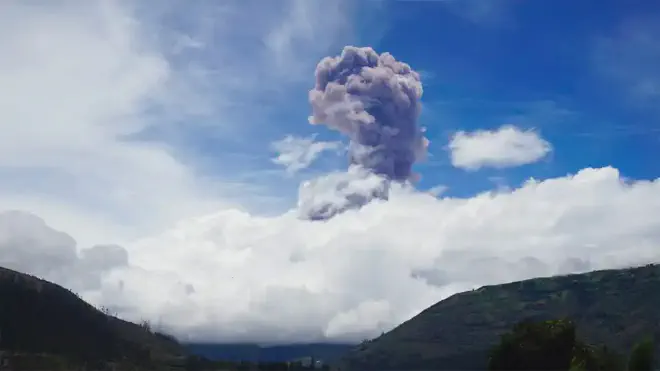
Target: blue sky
553,66
534,64
152,154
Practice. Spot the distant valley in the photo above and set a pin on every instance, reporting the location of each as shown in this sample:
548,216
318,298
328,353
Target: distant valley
277,353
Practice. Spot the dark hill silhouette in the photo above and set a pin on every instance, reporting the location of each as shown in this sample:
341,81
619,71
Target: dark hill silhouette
611,307
40,317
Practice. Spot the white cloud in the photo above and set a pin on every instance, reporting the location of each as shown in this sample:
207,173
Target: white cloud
296,153
333,193
235,276
507,146
79,84
27,244
76,79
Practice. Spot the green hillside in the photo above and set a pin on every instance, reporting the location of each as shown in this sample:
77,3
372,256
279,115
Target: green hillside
611,307
39,317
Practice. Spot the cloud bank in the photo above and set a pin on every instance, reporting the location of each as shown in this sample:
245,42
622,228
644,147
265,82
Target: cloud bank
507,146
232,276
28,244
111,107
79,83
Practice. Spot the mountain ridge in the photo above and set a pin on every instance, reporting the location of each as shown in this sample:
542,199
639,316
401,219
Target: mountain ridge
41,317
615,307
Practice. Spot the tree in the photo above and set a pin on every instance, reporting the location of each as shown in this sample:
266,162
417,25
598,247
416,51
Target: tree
641,356
146,325
592,358
546,345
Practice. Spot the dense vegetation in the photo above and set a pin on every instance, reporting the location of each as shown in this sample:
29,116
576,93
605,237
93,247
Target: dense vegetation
615,308
44,326
553,345
39,317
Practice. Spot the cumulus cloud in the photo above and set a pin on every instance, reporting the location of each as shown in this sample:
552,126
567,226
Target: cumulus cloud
75,82
507,146
100,102
326,196
78,82
28,244
295,153
233,276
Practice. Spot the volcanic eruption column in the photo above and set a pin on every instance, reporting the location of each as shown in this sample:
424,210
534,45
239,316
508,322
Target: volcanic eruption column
374,100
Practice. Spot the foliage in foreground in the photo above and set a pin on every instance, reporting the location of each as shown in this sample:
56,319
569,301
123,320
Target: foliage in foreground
616,307
553,345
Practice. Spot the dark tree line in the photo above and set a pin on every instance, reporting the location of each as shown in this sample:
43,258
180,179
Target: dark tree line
199,363
553,345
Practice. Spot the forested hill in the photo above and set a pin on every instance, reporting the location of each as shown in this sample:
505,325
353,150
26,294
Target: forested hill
40,317
612,307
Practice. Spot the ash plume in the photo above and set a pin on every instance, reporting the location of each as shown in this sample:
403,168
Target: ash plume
374,100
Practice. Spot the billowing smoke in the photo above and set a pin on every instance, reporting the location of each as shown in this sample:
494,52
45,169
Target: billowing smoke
374,100
331,194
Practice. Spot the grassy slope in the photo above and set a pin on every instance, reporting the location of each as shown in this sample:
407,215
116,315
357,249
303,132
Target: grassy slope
613,307
37,316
